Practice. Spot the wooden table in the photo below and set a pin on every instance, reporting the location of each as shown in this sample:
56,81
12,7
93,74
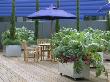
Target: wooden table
46,47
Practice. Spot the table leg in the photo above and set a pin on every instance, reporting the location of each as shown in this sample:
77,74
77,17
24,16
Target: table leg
49,54
41,53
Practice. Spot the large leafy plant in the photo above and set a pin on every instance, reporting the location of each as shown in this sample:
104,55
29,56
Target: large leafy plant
10,37
20,35
24,34
7,40
79,47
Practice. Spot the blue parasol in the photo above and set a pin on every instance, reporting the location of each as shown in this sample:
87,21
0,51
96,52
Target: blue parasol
51,14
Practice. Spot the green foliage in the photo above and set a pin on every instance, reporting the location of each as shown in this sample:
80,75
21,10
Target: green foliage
58,3
58,36
37,5
80,47
57,25
13,21
100,69
36,35
24,34
20,35
11,42
77,14
95,47
32,42
108,21
107,35
78,66
36,22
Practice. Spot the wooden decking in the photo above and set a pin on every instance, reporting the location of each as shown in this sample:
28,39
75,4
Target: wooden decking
14,69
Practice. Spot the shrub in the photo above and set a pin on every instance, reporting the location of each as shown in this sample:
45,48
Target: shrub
79,47
20,35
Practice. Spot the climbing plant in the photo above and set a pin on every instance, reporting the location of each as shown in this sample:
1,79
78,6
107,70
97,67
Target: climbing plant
13,22
57,25
108,22
36,22
108,19
77,14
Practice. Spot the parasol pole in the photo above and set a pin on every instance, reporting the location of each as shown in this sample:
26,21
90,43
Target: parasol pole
51,39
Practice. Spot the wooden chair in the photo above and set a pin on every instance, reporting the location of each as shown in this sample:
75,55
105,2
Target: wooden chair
47,49
38,52
44,48
30,52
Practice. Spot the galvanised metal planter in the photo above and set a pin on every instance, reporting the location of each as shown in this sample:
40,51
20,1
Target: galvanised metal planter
68,70
12,50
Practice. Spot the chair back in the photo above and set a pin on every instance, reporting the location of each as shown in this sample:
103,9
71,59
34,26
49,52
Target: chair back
43,41
24,45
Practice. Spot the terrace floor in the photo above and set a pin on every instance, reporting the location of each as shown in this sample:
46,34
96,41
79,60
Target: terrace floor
14,69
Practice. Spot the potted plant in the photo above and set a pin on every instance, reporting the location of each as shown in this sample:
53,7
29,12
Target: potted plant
13,47
75,53
9,38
